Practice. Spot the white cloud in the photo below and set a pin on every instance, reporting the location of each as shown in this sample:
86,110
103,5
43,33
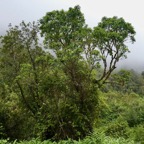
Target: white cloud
14,11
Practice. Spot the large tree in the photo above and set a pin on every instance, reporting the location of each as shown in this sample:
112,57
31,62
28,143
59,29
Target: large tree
59,86
80,52
66,32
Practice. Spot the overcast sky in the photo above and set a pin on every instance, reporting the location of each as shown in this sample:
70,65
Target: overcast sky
14,11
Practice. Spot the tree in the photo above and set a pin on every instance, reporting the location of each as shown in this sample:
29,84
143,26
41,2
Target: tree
126,81
119,81
65,32
110,36
58,87
79,50
19,61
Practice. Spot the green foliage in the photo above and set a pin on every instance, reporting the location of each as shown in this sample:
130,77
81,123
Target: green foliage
117,129
137,133
135,115
121,115
126,81
95,138
67,35
110,36
52,92
16,52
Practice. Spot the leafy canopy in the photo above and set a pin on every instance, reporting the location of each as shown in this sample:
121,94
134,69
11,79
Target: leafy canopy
58,87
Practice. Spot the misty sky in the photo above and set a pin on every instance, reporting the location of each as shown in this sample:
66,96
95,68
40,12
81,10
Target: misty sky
14,11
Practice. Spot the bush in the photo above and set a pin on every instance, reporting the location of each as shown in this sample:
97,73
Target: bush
117,129
135,113
137,134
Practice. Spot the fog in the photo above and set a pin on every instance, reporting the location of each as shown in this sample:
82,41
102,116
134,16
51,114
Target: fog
14,11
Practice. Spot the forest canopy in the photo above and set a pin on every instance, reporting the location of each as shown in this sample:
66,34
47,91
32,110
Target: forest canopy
51,89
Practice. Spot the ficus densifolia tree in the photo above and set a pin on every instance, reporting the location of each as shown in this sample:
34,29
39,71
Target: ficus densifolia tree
58,82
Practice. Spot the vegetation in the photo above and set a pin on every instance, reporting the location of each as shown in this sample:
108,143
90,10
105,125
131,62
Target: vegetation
64,90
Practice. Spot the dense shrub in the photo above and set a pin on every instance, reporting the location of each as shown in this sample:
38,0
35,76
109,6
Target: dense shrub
135,114
117,129
137,133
